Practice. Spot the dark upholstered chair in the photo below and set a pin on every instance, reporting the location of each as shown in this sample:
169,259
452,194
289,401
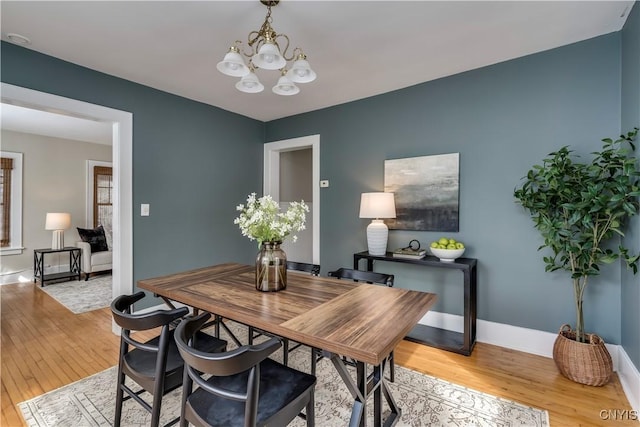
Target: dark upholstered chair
155,365
314,270
241,387
362,276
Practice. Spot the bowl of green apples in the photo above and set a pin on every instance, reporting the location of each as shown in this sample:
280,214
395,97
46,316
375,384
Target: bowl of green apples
447,249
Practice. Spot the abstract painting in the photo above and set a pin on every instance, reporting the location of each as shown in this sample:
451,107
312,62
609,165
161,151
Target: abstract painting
426,192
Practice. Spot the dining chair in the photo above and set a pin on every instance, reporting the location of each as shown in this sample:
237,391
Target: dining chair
154,365
360,276
242,387
314,270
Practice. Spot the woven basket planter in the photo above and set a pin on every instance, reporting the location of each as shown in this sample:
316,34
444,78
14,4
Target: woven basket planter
585,363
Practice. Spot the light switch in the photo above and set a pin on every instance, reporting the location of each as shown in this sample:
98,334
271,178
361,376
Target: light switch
324,183
144,209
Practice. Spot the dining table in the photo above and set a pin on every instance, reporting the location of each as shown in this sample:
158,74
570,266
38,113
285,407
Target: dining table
346,320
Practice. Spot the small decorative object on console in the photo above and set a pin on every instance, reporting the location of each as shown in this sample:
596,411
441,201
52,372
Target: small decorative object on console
412,251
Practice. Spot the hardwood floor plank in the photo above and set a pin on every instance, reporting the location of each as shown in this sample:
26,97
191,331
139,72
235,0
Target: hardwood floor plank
45,346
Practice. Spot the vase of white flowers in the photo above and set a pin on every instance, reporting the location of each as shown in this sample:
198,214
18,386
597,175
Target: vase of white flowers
261,220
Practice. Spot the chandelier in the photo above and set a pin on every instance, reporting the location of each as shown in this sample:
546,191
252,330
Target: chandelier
264,49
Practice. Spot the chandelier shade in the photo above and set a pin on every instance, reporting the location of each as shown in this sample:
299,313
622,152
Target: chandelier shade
250,84
233,64
301,71
267,50
285,87
269,57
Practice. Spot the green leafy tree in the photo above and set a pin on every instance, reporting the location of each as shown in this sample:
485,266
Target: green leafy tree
578,207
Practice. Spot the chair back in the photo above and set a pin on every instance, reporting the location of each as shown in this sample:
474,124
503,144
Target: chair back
363,276
241,366
314,269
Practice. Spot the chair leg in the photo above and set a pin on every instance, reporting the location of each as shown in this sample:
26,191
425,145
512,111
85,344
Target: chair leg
392,368
285,349
310,413
250,337
314,361
119,397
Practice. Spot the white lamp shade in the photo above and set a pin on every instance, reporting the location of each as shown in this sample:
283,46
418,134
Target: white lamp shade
377,205
233,65
285,87
250,84
301,72
57,221
269,57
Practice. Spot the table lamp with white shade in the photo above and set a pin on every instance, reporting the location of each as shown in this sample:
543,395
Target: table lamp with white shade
377,206
58,222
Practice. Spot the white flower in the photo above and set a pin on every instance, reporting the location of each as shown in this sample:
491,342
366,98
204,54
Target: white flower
262,220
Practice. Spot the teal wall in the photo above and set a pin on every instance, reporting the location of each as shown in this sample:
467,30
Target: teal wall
631,118
501,119
185,163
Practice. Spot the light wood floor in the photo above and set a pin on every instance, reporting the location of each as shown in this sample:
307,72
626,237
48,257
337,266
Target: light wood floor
44,346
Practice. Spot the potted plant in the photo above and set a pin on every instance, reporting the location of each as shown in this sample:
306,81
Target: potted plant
578,208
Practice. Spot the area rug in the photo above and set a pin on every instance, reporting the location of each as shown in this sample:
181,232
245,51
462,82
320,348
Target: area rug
80,296
424,401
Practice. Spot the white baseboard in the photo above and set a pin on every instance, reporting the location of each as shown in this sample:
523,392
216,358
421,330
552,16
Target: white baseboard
630,379
514,337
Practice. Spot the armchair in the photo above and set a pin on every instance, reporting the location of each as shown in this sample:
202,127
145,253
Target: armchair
96,261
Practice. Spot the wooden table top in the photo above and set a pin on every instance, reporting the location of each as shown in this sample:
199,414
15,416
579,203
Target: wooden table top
353,319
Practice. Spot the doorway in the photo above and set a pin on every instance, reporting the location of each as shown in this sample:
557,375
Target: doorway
281,167
122,158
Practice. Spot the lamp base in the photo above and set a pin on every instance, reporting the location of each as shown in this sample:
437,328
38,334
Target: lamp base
57,242
377,234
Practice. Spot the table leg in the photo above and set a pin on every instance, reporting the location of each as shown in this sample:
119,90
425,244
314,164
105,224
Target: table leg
363,386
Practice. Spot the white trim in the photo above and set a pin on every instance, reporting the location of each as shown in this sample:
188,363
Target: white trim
272,152
15,216
629,378
122,159
88,220
513,337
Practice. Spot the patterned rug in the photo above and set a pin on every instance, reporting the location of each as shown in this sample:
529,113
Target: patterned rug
81,296
424,401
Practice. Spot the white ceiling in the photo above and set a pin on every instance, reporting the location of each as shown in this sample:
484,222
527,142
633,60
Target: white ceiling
20,119
357,48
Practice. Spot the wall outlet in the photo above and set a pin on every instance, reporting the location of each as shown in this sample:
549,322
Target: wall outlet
324,183
144,209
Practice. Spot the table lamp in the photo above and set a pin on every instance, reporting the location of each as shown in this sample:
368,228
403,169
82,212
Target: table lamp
377,206
58,222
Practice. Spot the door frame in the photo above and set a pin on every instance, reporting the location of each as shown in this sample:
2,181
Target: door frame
271,181
122,159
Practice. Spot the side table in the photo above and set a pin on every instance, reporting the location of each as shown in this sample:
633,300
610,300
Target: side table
75,255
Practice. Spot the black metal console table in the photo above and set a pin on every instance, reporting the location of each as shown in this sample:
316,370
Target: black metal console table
436,337
75,255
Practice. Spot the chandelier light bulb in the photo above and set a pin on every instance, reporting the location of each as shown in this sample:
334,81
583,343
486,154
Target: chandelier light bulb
301,71
233,65
269,57
250,84
285,87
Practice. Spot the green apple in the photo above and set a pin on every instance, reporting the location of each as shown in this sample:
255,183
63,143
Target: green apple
459,245
434,245
443,241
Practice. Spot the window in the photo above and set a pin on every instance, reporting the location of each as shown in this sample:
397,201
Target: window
11,203
102,196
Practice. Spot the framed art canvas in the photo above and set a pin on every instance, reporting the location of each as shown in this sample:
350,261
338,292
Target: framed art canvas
426,192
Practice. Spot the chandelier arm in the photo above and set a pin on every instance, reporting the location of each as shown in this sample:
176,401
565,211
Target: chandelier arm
286,46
